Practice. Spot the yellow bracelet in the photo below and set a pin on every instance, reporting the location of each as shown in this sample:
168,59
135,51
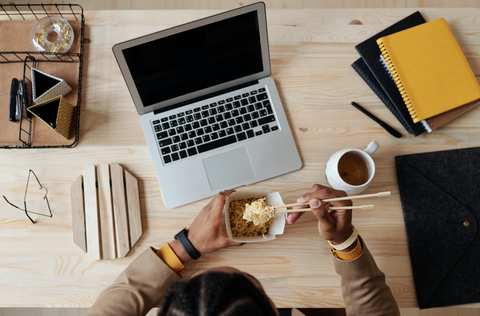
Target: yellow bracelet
170,258
348,256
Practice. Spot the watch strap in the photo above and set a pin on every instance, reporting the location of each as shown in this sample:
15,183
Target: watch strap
187,245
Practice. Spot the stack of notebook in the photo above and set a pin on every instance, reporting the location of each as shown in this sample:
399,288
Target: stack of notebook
419,72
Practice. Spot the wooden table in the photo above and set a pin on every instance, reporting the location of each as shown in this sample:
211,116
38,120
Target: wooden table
311,52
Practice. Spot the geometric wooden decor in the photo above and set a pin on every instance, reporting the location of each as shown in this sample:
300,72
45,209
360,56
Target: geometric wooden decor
106,217
56,113
45,86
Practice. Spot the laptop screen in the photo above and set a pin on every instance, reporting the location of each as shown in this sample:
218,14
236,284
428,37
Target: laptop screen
196,59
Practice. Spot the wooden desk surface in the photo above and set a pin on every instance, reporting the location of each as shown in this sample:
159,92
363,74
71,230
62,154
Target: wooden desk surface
311,52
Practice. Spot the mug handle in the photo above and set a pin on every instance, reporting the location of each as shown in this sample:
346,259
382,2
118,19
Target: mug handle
371,148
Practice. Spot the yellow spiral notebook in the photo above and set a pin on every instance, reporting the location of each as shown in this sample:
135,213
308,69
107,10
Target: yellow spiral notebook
430,69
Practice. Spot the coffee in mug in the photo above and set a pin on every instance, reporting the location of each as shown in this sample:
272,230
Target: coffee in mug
351,170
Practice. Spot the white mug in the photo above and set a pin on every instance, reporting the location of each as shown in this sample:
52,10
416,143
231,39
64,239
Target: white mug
360,178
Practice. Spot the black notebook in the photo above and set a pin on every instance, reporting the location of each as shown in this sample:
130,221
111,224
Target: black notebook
362,69
439,195
370,52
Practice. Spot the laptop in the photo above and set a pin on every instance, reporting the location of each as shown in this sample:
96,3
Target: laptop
212,117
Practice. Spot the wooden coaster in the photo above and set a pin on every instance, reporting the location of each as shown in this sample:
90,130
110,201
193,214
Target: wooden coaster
106,217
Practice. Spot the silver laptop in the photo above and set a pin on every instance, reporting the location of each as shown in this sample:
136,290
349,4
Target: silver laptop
211,115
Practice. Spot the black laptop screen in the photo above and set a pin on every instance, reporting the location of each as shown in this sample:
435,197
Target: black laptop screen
196,59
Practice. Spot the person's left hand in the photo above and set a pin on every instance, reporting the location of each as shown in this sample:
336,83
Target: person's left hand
206,233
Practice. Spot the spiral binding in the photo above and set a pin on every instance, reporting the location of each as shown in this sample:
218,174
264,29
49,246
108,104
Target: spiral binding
385,66
398,82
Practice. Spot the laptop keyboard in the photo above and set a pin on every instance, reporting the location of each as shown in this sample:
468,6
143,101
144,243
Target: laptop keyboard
214,125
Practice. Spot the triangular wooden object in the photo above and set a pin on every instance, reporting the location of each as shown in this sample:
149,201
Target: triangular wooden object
56,113
45,86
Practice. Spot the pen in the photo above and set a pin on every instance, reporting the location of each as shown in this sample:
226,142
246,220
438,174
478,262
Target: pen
387,127
18,104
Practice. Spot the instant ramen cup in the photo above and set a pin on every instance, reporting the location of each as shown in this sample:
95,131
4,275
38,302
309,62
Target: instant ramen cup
278,222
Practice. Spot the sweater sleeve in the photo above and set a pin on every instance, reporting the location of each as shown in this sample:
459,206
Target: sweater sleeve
363,286
138,289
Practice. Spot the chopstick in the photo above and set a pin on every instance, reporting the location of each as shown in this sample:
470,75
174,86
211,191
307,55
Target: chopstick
354,197
365,196
330,209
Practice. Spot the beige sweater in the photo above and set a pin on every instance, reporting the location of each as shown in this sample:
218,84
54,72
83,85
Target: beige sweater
144,282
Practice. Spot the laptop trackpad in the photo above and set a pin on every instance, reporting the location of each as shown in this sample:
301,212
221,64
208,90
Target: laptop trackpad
229,169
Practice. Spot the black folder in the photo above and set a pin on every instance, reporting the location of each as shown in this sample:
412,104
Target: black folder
370,53
440,194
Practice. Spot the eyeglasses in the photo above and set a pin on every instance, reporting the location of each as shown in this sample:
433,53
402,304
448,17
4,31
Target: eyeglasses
30,172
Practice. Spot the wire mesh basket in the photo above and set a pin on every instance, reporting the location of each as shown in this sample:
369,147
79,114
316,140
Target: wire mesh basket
28,59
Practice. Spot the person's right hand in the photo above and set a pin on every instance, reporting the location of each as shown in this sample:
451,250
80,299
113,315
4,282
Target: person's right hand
205,233
335,225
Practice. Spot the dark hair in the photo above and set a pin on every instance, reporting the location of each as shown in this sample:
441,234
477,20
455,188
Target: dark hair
216,293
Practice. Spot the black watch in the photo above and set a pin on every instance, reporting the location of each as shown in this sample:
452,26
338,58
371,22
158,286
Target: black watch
187,245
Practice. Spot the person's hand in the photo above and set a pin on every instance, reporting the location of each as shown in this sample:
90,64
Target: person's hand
206,233
335,225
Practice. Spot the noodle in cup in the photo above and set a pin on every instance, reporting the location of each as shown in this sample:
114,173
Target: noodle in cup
278,222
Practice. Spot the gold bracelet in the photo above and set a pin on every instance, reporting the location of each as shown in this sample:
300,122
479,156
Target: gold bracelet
352,254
